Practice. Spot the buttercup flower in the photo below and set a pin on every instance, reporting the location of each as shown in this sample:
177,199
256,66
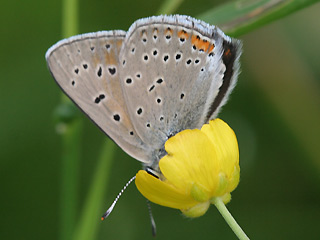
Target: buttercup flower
201,166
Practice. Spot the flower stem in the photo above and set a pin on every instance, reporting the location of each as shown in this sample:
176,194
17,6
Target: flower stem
71,138
69,18
229,219
169,6
88,224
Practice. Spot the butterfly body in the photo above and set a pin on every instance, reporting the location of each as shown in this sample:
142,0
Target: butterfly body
166,74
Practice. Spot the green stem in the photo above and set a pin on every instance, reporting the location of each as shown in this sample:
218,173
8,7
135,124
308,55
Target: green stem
93,208
71,140
69,18
169,6
229,219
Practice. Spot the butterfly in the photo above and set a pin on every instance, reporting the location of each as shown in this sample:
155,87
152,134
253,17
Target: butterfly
141,87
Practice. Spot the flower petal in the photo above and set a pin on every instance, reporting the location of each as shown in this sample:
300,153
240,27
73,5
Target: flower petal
191,159
162,193
226,145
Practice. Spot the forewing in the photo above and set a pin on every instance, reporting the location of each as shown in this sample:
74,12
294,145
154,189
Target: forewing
86,67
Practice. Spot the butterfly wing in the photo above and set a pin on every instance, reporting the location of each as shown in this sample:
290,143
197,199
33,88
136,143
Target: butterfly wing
175,76
86,67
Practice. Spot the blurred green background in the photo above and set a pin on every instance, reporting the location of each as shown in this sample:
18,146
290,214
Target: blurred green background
274,110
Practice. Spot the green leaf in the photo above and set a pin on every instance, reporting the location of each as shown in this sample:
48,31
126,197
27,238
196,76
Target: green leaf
239,17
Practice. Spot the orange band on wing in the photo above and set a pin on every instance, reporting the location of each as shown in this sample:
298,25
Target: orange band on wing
201,44
183,34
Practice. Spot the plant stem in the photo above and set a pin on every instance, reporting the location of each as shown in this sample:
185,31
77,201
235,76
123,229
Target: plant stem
70,156
69,18
169,6
229,219
89,221
71,141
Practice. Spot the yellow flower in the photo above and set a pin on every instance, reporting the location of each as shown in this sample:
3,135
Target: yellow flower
201,165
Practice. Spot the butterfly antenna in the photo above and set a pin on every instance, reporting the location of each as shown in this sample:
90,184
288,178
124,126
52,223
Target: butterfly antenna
107,213
153,223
